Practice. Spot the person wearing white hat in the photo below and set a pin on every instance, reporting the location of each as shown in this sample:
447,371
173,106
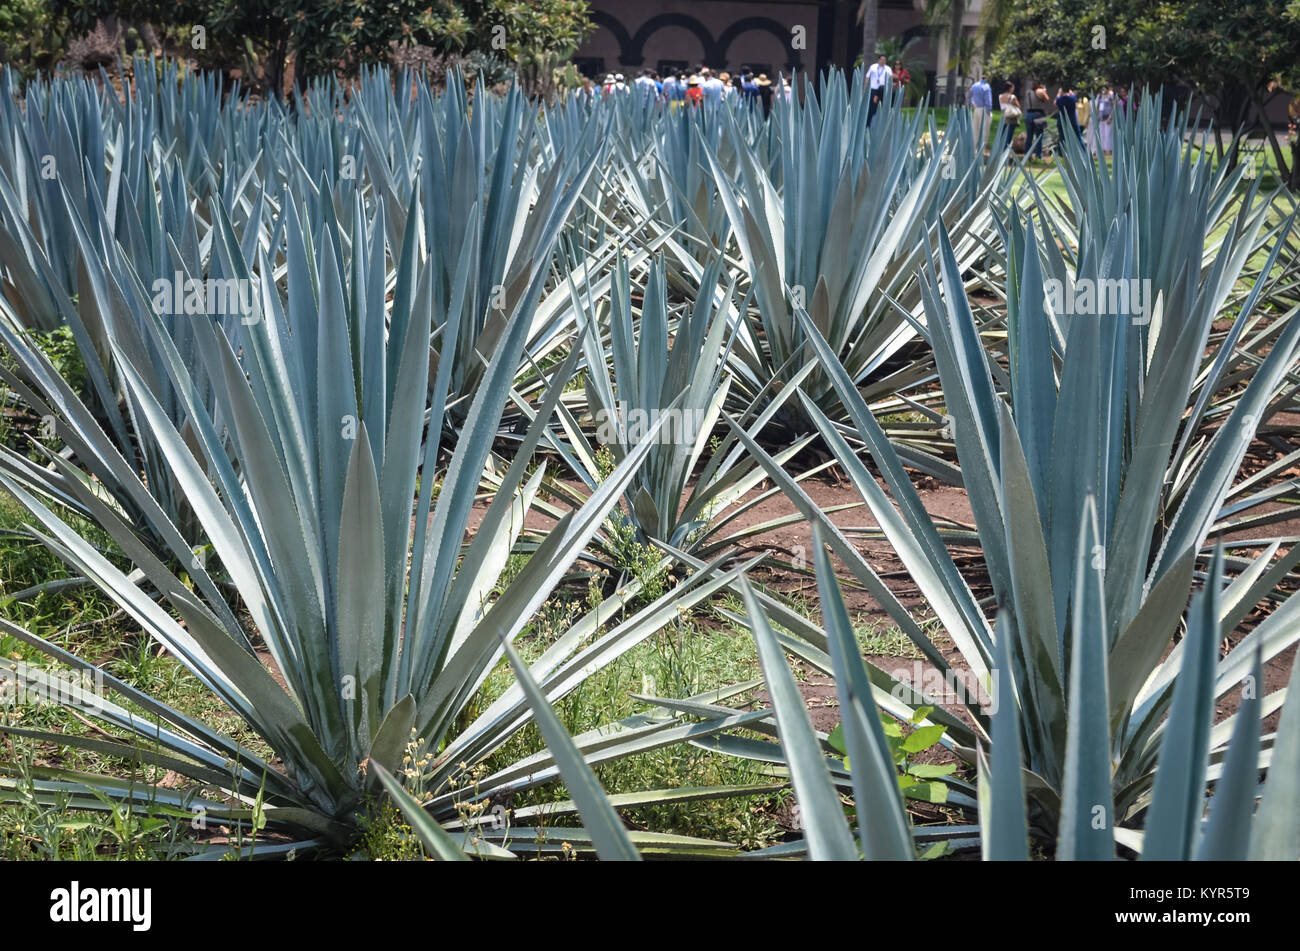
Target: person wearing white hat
695,91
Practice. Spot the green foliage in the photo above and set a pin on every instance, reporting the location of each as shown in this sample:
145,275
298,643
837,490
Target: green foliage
522,32
32,36
917,780
321,36
61,347
640,561
1203,44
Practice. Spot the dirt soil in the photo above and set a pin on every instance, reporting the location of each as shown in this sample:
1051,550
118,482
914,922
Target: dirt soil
830,489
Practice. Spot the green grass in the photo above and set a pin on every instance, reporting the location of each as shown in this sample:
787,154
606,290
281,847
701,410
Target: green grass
84,621
684,659
879,639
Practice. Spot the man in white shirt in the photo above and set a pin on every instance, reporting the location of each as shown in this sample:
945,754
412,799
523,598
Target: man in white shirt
879,77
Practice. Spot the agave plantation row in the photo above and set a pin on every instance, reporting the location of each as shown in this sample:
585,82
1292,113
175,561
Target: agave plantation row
462,298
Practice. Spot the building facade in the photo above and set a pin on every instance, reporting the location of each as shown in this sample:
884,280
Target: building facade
768,36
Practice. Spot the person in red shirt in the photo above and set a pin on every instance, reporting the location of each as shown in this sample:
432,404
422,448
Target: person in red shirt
901,77
694,91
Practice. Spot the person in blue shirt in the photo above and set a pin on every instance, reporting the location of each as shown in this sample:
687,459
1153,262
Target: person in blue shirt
1067,116
646,85
981,100
674,89
749,87
714,88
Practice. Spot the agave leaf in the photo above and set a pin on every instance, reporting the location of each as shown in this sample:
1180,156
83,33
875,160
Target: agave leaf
1227,834
1087,809
882,821
431,835
602,822
1003,823
1276,833
826,828
361,641
1178,800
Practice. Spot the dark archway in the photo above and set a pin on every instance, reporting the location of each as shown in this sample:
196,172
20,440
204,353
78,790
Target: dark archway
621,35
767,25
656,23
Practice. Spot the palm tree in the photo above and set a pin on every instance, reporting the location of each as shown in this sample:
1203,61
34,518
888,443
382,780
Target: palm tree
869,17
958,57
956,11
994,16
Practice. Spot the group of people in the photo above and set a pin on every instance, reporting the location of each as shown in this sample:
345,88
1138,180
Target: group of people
681,88
880,77
1091,123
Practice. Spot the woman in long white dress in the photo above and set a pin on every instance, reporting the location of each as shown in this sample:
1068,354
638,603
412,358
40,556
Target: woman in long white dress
1106,120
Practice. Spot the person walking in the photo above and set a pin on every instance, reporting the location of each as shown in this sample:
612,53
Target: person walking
1067,116
645,84
674,91
1011,112
1036,119
713,87
1106,121
695,91
879,76
981,101
765,91
1087,129
902,78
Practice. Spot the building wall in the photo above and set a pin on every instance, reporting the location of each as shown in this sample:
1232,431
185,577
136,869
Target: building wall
631,35
771,35
776,36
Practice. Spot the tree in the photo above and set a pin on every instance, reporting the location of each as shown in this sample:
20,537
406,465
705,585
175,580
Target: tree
320,35
31,38
1211,46
869,17
324,36
956,11
1249,43
536,36
1049,42
947,15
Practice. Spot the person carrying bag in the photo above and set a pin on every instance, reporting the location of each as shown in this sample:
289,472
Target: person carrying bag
1011,112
